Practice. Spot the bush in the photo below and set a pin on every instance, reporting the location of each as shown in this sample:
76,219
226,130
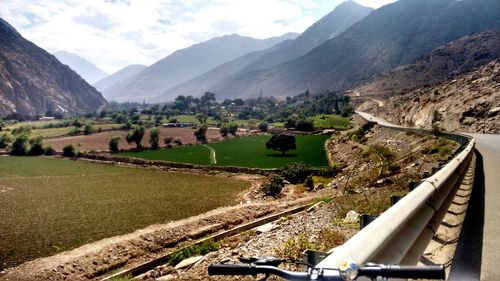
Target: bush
136,136
20,145
36,144
114,144
263,127
168,140
201,134
194,250
272,185
74,132
154,138
309,183
4,140
295,172
69,151
88,130
177,141
304,126
233,128
330,172
224,130
49,151
22,130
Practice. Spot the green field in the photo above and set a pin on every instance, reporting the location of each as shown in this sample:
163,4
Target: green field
244,152
330,121
50,205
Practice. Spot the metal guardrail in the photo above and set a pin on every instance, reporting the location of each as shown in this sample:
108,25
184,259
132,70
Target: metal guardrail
401,234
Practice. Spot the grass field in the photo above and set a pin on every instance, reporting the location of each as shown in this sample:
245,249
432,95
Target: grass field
330,121
244,152
50,205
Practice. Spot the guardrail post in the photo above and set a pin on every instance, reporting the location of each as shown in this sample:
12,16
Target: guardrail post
365,220
395,199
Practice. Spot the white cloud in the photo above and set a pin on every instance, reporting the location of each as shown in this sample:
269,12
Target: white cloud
116,33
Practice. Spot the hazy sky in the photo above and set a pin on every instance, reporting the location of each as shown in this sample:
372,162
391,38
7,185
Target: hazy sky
115,33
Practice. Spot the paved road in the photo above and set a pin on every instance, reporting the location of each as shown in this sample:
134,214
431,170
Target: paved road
489,148
478,252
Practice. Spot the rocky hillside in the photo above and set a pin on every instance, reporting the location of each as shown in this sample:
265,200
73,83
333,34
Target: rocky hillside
33,81
469,103
83,67
442,64
118,77
388,37
341,18
185,64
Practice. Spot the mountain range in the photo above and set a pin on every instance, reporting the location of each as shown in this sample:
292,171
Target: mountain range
118,77
185,64
331,25
83,67
388,37
32,81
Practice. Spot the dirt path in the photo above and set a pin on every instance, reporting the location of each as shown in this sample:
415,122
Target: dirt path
213,158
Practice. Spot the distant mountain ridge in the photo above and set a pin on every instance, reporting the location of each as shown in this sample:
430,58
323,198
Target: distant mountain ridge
331,25
118,77
83,67
187,63
32,81
390,36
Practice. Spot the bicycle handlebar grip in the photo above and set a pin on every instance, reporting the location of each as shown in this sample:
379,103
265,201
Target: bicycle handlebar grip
231,269
413,272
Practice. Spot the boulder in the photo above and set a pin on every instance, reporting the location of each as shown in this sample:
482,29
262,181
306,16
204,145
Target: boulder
351,217
188,262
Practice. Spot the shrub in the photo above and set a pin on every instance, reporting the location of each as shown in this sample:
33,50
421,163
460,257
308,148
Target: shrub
233,128
168,140
224,130
330,172
77,123
20,145
114,144
309,183
136,136
88,130
194,250
263,127
74,132
22,130
177,141
272,185
69,151
4,140
36,144
359,134
295,172
154,138
49,150
200,134
304,126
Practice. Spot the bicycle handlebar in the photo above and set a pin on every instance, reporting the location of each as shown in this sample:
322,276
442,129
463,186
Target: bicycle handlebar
370,271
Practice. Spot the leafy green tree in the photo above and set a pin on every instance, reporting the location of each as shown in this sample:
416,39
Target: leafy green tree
263,127
20,145
202,118
154,138
304,126
87,129
4,140
281,143
233,128
114,144
201,134
70,151
36,146
224,130
136,135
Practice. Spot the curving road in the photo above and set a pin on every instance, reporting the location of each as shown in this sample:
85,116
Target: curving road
478,251
489,148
